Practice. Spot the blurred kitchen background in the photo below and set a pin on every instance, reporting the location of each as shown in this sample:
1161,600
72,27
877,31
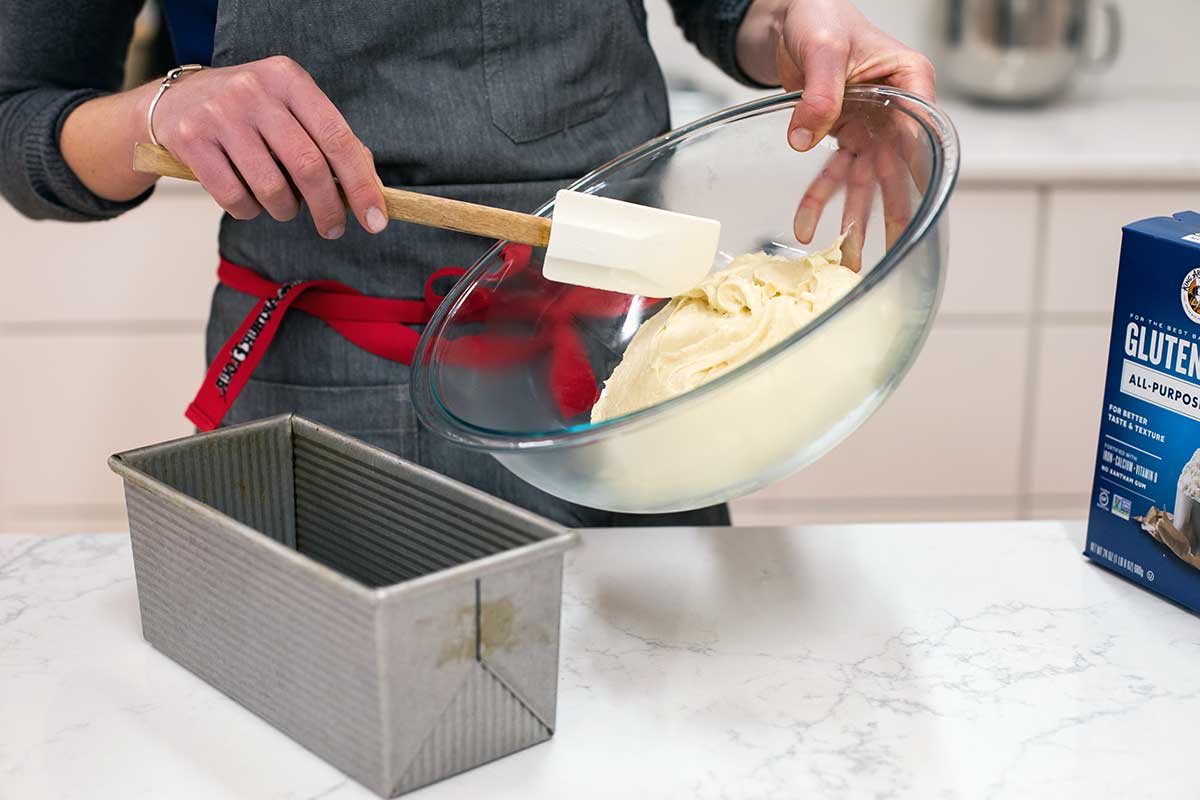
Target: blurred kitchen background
101,325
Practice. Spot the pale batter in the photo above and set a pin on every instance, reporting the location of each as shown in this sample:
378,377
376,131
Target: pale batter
729,318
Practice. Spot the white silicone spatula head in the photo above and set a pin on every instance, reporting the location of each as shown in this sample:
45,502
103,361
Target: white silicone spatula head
610,244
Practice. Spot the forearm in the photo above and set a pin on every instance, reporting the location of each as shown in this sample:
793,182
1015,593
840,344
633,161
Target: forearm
758,39
56,59
713,27
97,143
34,176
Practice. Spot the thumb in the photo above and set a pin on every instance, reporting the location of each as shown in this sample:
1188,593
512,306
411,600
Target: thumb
823,64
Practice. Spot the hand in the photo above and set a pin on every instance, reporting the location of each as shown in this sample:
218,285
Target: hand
876,147
819,46
257,133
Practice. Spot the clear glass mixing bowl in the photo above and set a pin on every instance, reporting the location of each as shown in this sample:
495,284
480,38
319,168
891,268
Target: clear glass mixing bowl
511,362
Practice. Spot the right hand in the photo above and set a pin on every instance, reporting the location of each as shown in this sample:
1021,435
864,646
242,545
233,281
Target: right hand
879,152
241,128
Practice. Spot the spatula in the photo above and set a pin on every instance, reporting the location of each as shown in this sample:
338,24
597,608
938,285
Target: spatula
593,241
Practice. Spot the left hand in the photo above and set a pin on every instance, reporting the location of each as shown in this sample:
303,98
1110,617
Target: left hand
819,46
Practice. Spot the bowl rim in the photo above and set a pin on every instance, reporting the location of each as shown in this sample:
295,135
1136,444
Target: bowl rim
943,178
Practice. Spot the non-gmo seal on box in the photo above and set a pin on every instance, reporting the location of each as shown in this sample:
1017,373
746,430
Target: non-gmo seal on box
1144,522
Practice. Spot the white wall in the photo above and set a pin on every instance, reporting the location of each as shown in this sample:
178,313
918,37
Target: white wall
1157,55
1159,39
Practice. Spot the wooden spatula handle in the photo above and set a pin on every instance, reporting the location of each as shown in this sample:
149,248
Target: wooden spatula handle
423,209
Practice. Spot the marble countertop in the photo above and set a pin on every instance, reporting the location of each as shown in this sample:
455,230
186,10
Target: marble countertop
1087,137
978,660
1141,137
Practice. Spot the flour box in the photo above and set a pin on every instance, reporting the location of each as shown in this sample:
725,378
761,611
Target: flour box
1144,520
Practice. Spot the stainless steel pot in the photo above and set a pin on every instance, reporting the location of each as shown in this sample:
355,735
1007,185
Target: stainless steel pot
1023,51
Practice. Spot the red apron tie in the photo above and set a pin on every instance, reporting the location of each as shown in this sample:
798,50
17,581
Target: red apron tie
379,326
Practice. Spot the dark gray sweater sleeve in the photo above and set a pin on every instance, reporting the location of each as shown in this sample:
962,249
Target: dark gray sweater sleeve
712,26
54,56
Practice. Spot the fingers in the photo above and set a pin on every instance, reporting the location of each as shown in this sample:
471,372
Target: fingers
212,168
822,60
305,163
896,188
233,124
342,150
371,160
916,149
819,193
917,76
860,193
869,156
260,173
821,53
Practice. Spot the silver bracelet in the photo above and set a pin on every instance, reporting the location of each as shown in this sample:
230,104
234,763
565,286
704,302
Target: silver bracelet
172,76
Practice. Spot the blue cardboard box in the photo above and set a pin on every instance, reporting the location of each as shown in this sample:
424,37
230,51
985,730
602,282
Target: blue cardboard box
1144,521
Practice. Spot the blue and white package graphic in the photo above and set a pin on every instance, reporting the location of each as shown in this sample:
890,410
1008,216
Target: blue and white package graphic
1144,521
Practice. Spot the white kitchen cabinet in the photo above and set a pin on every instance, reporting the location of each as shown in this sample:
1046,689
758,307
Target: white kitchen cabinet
983,276
1029,448
1068,400
948,444
156,263
952,430
1061,507
1083,244
80,398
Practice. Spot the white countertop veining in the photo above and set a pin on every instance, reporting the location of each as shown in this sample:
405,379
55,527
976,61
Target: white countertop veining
953,660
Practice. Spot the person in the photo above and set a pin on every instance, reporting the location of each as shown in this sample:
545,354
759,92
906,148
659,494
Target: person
499,102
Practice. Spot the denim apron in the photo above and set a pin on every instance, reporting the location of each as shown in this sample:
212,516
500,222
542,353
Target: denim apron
499,102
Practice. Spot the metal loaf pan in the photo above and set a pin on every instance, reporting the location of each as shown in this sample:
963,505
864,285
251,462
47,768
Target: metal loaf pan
398,624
